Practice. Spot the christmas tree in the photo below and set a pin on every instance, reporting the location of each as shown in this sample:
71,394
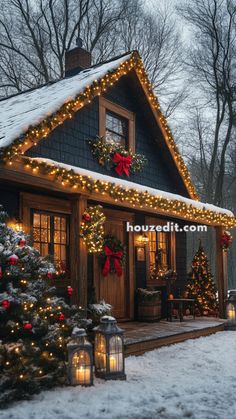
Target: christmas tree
201,286
35,324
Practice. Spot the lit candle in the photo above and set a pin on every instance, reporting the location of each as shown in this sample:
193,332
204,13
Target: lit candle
82,375
231,314
113,363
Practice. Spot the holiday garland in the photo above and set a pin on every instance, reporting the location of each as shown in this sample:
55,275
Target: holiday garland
112,253
68,109
92,228
226,240
115,156
113,257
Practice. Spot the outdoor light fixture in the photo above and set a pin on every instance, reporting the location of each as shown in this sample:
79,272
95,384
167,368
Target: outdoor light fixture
80,359
144,239
16,224
231,310
109,350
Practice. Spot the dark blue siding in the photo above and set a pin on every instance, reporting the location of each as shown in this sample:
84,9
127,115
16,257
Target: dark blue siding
68,143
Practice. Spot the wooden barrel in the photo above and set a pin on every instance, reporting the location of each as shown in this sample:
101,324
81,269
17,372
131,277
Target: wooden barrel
149,311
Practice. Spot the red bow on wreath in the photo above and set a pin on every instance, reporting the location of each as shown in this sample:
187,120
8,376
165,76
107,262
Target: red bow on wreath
123,163
117,265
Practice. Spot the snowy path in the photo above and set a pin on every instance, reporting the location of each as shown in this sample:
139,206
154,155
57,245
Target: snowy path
194,379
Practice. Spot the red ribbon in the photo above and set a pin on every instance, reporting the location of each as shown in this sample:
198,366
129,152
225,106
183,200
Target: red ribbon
117,265
123,163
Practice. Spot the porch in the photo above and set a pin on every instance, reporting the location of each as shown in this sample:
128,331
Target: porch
141,337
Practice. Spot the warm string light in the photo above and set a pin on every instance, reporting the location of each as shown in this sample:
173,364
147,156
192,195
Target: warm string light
92,229
132,196
42,130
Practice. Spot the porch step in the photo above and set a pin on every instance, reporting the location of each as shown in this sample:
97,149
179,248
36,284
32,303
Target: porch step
143,337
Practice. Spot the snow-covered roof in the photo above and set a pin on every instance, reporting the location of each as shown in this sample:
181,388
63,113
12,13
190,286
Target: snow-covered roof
18,113
27,118
135,186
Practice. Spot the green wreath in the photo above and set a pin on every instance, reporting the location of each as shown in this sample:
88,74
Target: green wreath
114,156
113,257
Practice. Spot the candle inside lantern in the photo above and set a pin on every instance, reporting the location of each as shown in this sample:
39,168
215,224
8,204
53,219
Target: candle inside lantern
231,314
82,375
113,363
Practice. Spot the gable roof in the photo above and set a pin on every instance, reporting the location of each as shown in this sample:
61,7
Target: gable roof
28,117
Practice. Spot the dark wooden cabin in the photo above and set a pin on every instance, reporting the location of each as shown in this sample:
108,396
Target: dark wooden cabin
48,128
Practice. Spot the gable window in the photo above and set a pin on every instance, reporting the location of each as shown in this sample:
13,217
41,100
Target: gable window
116,129
51,237
116,124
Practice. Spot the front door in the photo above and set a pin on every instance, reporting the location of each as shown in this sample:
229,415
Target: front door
117,290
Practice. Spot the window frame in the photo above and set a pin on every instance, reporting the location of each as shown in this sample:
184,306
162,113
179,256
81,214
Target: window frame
171,249
51,242
60,206
106,105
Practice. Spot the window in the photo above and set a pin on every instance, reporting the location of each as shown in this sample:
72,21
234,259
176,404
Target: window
116,129
50,237
161,252
116,124
159,255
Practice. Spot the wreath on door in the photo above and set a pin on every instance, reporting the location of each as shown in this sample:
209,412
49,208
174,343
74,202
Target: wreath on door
113,257
111,252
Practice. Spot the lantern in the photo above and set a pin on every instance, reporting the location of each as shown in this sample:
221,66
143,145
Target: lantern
80,359
109,350
231,310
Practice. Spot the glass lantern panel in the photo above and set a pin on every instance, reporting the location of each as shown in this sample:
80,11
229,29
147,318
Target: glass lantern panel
81,368
115,354
100,352
230,311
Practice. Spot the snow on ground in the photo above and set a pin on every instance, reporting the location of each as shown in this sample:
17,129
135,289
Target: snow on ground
195,379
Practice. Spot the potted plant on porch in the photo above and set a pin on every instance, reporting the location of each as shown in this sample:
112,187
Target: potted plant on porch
149,304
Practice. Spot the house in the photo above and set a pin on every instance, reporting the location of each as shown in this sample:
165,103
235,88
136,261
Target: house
49,177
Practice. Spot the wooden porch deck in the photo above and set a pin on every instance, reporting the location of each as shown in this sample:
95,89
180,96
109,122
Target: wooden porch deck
142,337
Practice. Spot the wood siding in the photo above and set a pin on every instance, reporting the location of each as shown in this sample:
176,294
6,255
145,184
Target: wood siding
68,143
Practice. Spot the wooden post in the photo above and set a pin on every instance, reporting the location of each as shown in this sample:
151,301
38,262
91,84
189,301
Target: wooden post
78,253
221,273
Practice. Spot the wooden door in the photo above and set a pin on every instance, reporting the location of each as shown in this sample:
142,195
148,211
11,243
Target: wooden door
117,291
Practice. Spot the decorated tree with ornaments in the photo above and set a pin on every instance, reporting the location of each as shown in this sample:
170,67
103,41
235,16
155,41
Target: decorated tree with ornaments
35,324
201,286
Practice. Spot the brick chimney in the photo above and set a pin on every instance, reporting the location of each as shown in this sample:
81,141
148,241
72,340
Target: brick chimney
77,59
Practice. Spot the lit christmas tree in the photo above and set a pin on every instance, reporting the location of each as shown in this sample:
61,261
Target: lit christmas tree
201,286
34,323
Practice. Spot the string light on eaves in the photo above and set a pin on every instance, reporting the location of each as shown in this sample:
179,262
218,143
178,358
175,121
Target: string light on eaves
132,196
67,111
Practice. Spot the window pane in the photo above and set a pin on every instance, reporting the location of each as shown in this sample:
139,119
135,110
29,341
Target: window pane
63,237
44,235
63,224
36,234
44,249
57,223
36,221
57,253
116,123
63,253
116,128
56,236
45,221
